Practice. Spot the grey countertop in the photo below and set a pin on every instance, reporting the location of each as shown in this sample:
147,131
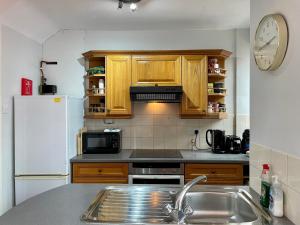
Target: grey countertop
200,156
64,205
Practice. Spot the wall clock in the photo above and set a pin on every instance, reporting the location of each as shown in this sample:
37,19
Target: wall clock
271,41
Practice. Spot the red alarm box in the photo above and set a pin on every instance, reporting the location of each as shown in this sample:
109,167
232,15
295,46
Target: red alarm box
26,86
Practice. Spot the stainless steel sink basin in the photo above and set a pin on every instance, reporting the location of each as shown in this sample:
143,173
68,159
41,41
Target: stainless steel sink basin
212,205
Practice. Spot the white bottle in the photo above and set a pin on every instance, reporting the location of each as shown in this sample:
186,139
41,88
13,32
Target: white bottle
276,198
101,86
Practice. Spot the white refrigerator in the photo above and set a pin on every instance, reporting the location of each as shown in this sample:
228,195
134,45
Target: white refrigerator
45,140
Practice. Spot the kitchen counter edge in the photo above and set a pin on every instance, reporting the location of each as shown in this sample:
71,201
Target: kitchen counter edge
188,156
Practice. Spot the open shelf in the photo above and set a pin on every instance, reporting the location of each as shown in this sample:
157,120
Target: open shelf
219,115
92,95
217,75
213,96
105,116
96,102
217,95
95,76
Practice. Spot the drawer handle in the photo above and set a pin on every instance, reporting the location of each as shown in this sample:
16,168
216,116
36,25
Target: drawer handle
213,172
99,171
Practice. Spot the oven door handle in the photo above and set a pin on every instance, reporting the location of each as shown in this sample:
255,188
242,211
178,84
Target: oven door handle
165,177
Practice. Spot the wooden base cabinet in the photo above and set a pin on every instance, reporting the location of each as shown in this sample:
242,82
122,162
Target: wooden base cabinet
217,174
110,173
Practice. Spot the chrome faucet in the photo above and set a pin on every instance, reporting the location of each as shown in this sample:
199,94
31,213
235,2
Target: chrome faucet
178,212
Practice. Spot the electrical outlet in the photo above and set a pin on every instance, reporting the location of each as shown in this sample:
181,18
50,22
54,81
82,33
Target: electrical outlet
193,141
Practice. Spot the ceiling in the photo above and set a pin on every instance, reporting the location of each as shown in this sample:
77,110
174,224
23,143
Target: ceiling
41,18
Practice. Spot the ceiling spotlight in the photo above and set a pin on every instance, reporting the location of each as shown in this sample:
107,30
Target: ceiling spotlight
133,6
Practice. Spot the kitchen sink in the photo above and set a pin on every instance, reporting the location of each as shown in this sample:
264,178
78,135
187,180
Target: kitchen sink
214,205
211,207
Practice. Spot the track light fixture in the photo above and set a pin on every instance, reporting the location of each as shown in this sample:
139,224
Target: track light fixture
133,4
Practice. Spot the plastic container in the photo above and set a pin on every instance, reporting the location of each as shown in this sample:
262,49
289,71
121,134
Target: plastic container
265,186
276,198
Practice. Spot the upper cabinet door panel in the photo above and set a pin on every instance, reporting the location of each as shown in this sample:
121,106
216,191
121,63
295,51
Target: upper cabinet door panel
194,82
163,70
119,81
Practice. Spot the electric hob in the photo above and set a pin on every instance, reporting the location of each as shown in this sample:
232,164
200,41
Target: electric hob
156,153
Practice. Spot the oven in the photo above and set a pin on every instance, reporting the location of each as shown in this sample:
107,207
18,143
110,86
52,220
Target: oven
162,173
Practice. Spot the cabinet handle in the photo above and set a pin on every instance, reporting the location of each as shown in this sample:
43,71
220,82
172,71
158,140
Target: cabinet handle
213,172
99,171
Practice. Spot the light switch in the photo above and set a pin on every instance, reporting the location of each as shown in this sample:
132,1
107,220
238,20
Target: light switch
5,108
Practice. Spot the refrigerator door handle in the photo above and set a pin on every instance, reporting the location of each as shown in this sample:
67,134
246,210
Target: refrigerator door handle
42,177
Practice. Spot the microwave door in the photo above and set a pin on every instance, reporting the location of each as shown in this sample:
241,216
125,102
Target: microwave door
97,143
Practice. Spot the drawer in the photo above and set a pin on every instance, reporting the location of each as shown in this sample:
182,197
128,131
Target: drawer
214,172
100,170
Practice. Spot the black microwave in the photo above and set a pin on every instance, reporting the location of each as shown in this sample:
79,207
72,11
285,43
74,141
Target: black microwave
101,142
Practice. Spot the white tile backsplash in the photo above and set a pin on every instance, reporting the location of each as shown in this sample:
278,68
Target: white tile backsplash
159,143
159,125
279,165
287,168
142,143
293,168
142,132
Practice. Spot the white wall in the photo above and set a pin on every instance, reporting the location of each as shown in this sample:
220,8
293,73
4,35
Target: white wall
67,47
275,109
242,80
274,103
1,181
20,58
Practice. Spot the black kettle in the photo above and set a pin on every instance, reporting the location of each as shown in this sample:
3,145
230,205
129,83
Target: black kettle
217,140
233,144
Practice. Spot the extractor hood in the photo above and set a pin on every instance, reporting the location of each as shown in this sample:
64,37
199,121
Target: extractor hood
169,94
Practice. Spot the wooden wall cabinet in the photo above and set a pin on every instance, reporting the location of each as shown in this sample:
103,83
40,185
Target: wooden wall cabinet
217,174
100,173
194,83
118,84
163,70
123,69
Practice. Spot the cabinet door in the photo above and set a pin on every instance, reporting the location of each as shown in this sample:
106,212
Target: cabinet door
163,70
227,174
119,81
194,82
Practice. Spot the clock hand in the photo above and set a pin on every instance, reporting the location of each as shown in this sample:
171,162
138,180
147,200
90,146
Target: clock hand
267,43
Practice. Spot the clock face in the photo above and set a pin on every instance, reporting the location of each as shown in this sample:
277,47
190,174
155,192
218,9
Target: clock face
270,42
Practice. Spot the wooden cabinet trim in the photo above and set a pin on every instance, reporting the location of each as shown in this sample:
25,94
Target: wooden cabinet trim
209,52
